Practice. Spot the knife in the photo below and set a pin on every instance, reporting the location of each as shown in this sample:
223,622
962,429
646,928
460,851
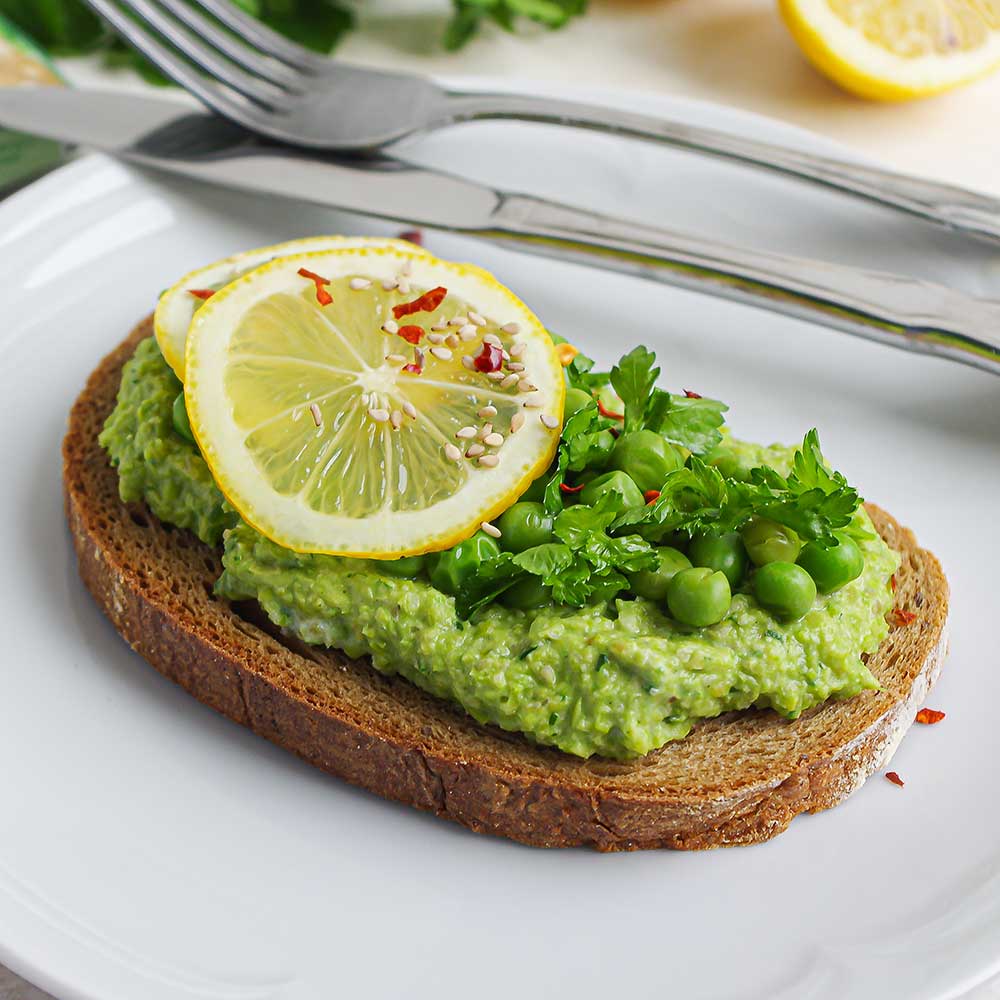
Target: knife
165,135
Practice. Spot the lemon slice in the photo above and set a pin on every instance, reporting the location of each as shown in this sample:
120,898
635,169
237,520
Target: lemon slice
339,413
893,50
178,305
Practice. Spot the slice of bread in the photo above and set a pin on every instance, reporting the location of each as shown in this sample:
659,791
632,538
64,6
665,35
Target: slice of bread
737,779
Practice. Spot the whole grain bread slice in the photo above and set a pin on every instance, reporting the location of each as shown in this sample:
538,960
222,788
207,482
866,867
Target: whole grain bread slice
737,779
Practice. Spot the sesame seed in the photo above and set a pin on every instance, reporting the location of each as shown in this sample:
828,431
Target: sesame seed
441,353
516,366
390,326
493,440
517,348
435,338
490,461
467,332
396,419
534,404
466,433
468,362
396,359
388,284
512,328
474,317
380,416
492,338
505,355
403,286
495,376
491,529
475,450
548,420
487,411
459,320
525,386
516,422
317,416
509,380
359,284
409,409
452,453
485,430
452,340
441,324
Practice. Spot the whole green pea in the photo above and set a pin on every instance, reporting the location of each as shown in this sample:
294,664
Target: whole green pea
699,596
407,566
767,541
722,552
523,526
535,493
831,567
618,484
527,594
784,589
732,464
647,457
453,567
180,415
654,583
576,400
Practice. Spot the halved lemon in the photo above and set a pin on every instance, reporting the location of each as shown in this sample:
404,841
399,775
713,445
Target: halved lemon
372,402
178,305
893,50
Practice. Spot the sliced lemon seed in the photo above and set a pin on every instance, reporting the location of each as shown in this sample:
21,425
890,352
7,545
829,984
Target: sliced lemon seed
475,450
548,420
490,461
493,440
380,416
491,529
316,415
466,433
487,411
359,284
452,453
516,422
441,353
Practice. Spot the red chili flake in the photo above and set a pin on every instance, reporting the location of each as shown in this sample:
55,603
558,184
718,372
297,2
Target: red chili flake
413,369
413,236
894,778
900,616
892,582
651,496
693,395
489,359
610,414
566,488
201,293
411,334
929,716
323,297
425,303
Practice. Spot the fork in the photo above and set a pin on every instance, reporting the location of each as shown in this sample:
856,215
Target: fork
250,74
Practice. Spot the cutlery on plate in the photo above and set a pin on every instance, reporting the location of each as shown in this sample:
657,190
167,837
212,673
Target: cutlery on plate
250,74
153,132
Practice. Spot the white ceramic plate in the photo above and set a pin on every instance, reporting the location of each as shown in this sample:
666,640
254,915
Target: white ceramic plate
150,849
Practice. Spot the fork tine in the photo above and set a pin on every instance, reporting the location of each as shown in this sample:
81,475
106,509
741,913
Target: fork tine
226,102
202,54
264,38
236,47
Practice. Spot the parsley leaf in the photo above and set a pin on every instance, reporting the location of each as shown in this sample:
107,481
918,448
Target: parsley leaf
633,379
693,423
470,14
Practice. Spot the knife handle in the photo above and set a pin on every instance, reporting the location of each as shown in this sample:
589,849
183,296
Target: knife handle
891,309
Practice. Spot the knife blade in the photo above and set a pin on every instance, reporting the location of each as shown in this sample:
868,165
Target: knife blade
165,135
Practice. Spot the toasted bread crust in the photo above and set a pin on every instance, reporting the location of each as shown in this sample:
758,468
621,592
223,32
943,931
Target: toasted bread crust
738,779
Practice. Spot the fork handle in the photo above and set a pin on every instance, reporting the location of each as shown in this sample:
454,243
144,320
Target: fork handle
945,205
888,308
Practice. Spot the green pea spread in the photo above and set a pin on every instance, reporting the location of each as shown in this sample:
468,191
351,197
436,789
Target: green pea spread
615,678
